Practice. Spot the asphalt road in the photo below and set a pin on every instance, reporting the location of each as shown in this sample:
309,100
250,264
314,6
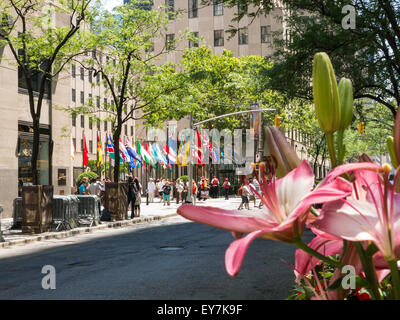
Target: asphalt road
130,263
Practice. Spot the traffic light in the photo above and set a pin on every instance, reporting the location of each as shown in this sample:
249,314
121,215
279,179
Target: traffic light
361,127
277,121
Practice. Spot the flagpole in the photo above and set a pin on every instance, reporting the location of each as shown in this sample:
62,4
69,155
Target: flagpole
190,168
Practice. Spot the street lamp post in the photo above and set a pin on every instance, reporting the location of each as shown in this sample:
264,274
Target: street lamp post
192,125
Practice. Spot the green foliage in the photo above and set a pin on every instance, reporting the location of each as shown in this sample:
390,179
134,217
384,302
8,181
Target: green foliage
90,175
184,179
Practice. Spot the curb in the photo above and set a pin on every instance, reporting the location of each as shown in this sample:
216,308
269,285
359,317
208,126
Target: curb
83,230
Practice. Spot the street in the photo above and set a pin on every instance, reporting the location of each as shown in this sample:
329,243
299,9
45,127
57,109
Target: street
168,259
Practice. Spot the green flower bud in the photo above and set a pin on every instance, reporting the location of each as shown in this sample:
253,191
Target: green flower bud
346,102
390,147
326,95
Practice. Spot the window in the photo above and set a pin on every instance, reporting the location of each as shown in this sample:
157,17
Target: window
194,43
82,121
82,74
169,42
218,7
98,102
90,123
218,38
90,146
131,130
81,144
90,99
98,124
74,120
105,103
90,77
74,143
36,78
126,130
105,125
170,8
243,36
265,34
192,9
98,77
73,71
73,95
82,97
242,8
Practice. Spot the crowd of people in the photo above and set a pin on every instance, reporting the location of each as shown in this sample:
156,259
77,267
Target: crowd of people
167,191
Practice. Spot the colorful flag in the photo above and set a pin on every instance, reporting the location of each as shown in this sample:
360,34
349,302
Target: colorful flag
99,151
110,147
159,155
72,149
123,152
85,152
144,154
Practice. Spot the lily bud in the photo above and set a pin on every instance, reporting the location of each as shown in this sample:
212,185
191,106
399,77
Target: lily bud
392,154
281,150
326,95
346,102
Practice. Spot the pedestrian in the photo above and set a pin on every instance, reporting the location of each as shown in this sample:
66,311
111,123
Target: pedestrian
226,187
151,187
214,187
84,185
94,187
160,186
132,196
203,189
179,189
138,198
167,193
194,191
244,193
252,196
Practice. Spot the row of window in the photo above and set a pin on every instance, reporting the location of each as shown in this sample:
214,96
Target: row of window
218,8
243,37
82,98
98,124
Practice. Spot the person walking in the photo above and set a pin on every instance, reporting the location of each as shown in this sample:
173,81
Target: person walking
131,195
203,189
194,191
138,198
160,186
94,188
151,188
214,187
244,192
179,190
252,196
226,185
166,193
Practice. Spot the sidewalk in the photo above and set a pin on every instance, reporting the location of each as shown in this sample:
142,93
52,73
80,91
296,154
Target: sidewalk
154,211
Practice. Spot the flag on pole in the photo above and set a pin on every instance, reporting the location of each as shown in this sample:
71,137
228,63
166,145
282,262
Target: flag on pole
159,155
110,148
123,152
144,154
85,152
72,149
99,151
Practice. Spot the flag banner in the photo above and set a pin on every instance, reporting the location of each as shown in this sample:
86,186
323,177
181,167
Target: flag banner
85,152
123,152
172,147
132,152
72,149
159,154
99,151
141,150
110,147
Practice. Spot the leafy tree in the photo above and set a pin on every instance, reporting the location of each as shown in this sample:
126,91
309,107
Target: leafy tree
41,49
218,84
125,58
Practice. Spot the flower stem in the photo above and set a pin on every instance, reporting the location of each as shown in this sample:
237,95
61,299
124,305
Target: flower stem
394,272
303,246
331,147
369,270
314,212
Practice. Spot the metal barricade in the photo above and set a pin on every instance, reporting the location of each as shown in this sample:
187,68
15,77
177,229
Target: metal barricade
17,213
61,212
74,211
89,210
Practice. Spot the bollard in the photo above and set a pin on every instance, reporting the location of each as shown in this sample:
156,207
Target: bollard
1,232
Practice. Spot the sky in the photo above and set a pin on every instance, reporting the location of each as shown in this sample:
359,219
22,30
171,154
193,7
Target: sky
110,4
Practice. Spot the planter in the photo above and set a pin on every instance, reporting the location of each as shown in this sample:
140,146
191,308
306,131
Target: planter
116,200
37,209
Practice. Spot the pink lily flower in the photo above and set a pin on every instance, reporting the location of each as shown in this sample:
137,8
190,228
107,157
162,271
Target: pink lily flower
286,204
372,215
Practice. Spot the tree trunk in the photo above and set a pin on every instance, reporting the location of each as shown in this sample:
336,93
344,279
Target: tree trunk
35,151
116,137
